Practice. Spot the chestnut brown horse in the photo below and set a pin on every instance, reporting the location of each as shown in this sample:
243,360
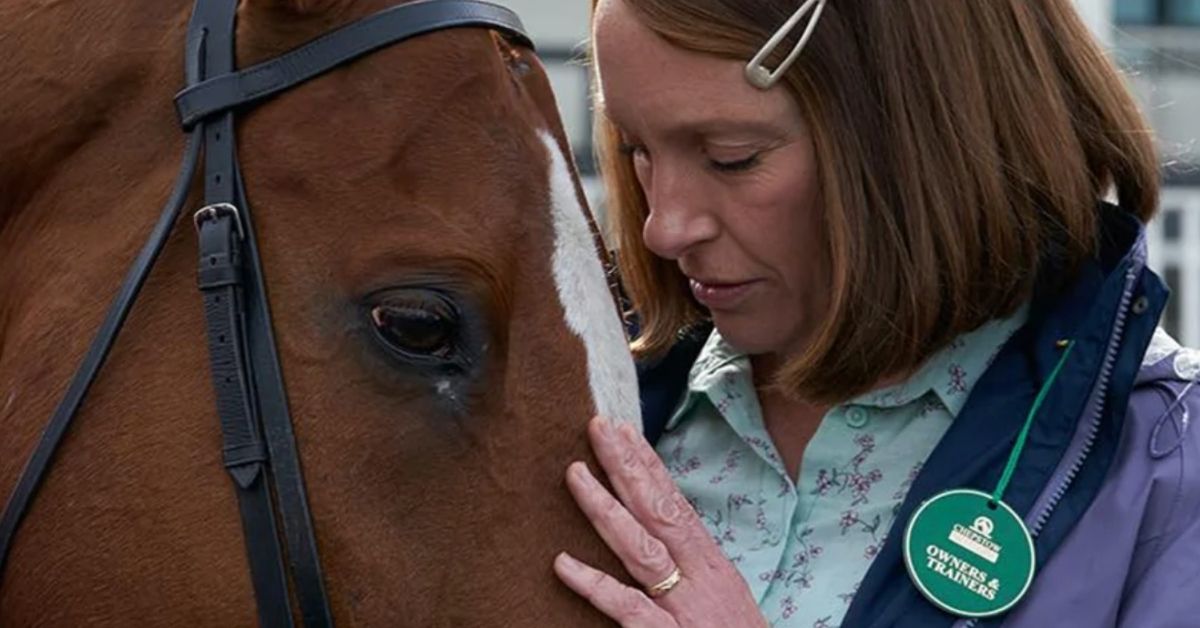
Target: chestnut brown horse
417,204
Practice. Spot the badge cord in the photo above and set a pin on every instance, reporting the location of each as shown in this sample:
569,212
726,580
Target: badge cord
1019,446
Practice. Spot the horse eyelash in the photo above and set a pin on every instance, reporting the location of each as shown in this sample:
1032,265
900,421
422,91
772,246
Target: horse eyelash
628,150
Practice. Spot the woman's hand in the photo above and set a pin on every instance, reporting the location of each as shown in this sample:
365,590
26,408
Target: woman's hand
654,531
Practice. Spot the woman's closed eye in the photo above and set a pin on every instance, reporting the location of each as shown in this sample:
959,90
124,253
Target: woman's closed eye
737,165
639,152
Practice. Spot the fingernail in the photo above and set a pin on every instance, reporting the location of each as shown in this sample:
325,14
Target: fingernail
568,562
606,428
583,474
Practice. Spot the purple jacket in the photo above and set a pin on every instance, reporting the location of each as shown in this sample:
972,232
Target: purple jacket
1133,558
1109,480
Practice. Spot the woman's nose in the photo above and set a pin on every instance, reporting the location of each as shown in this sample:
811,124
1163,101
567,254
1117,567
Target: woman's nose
680,214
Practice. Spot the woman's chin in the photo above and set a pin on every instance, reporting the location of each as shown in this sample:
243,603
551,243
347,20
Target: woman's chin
753,333
744,336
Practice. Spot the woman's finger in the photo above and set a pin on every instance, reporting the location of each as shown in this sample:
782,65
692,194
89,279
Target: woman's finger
646,489
645,557
626,605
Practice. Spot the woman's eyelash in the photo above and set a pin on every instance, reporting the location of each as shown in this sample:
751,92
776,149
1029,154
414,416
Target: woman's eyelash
629,149
735,166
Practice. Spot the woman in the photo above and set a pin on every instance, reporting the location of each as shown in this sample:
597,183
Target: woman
900,359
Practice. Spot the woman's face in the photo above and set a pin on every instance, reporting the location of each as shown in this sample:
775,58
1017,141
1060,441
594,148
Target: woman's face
729,173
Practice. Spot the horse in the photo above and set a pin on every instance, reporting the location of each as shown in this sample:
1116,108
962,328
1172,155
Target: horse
415,208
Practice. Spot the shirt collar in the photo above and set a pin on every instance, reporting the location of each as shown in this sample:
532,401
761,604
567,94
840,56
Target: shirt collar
717,359
949,374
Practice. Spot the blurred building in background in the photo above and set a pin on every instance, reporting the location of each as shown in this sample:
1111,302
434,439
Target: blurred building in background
560,30
1157,42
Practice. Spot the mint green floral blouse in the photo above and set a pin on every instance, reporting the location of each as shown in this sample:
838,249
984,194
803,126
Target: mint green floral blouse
804,546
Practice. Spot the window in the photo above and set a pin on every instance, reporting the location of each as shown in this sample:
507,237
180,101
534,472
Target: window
1165,12
1137,11
1184,12
570,79
1172,225
1170,319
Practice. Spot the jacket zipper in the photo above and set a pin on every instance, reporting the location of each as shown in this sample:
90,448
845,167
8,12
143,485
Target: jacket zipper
1048,501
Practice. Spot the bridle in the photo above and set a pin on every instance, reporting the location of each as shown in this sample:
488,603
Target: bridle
258,444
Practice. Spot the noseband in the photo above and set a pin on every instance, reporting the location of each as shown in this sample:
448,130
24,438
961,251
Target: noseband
258,444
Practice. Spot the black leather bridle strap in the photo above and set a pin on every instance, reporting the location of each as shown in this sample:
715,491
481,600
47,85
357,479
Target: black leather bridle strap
260,369
221,278
338,47
39,461
271,400
35,469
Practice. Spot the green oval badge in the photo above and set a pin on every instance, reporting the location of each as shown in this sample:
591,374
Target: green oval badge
967,557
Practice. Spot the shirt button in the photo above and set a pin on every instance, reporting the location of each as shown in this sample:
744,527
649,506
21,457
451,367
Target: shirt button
856,417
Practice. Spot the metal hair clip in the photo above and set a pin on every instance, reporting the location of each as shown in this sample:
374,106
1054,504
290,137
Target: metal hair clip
757,73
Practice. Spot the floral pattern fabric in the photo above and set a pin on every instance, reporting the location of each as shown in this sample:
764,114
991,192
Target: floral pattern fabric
803,546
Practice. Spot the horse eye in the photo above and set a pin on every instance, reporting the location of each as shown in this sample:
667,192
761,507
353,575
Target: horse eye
421,328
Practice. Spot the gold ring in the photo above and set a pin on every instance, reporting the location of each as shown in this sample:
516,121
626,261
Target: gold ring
666,585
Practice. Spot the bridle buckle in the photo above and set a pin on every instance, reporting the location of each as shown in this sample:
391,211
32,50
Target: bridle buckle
212,212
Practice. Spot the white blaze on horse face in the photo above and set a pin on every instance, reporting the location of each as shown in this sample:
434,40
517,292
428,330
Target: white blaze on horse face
586,299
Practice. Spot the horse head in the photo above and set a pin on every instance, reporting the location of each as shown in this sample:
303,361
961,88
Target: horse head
438,297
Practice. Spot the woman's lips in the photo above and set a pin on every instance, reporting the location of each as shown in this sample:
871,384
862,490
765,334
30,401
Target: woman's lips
720,295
